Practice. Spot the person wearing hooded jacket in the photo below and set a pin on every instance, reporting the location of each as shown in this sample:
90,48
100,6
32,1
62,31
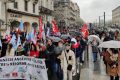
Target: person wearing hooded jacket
67,62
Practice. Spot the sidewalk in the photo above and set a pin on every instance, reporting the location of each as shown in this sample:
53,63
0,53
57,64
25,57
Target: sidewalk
93,71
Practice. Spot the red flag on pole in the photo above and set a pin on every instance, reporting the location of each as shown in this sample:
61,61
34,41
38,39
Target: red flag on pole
85,31
41,28
55,28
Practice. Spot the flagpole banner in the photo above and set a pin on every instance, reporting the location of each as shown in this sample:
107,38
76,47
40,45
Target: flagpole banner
22,67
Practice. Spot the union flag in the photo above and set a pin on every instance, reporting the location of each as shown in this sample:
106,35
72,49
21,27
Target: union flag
85,31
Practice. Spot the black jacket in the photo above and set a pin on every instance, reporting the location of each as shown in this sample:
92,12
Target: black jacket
4,48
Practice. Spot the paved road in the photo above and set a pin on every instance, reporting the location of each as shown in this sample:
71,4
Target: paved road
93,71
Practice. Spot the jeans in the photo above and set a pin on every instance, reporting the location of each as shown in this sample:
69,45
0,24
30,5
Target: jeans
59,73
52,68
81,56
95,56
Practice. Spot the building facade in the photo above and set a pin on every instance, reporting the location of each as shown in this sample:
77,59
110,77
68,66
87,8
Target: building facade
116,16
67,13
46,8
13,13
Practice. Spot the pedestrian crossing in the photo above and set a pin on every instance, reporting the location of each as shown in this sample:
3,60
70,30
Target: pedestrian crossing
95,71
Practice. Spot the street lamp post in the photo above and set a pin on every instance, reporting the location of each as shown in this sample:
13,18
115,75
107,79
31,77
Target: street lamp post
104,19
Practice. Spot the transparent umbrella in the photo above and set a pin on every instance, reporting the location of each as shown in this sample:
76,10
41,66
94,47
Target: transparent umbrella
91,37
110,44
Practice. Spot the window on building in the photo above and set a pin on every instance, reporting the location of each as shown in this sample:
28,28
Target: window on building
26,5
16,5
33,8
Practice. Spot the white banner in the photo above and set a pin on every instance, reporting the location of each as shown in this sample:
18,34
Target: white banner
22,68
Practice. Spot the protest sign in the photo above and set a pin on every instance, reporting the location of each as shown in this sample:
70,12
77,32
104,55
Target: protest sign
22,67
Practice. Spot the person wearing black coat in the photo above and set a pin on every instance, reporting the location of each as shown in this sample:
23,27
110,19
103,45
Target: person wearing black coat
82,49
50,62
4,47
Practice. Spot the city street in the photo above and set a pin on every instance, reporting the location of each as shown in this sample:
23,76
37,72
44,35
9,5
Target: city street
59,40
94,71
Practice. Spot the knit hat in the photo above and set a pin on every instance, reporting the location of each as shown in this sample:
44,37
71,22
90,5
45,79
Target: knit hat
67,44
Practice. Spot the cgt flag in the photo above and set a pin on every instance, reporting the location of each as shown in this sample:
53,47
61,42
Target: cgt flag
55,28
85,31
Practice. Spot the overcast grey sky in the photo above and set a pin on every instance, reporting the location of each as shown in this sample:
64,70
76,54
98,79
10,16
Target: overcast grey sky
90,10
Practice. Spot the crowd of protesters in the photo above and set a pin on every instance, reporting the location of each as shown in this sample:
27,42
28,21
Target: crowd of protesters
60,57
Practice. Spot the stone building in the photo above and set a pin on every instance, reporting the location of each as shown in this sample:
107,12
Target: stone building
67,13
46,8
15,11
116,16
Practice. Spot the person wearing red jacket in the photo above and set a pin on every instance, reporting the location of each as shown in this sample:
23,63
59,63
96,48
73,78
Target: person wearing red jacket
33,51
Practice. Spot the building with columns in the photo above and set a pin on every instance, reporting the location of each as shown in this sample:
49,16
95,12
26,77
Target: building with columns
15,11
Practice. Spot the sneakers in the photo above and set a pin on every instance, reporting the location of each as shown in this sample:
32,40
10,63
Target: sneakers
81,64
77,71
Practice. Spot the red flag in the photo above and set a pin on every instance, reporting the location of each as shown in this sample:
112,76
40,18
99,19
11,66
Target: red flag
55,28
85,31
40,28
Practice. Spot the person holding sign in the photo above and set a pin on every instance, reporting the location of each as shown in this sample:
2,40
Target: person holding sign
20,51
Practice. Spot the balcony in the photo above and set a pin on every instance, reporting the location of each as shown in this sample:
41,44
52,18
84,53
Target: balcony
44,10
